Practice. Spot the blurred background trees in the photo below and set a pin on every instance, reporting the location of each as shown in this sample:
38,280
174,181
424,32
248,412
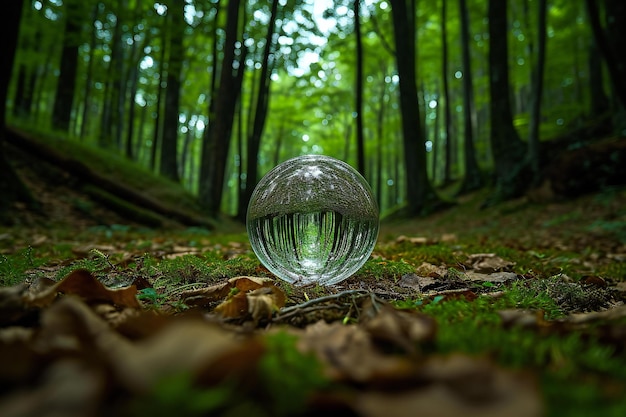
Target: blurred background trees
416,95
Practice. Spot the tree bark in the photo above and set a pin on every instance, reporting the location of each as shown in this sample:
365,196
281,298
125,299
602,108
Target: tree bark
507,148
421,197
611,44
599,100
447,119
218,134
260,116
358,103
169,143
66,85
11,187
537,91
89,78
472,179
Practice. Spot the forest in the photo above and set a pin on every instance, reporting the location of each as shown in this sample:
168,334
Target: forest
489,278
417,96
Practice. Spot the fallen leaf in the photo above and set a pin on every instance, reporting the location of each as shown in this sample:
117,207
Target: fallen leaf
456,386
419,283
429,270
260,299
403,329
348,353
417,240
488,262
67,388
83,284
203,296
495,277
186,345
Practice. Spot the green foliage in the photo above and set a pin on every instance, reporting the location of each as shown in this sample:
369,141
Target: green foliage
208,267
288,376
98,263
475,327
14,267
177,395
152,296
382,269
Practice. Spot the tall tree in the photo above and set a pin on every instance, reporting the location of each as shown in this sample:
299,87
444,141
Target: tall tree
507,148
447,119
472,179
216,141
89,77
421,197
158,125
611,42
599,101
109,129
260,114
66,85
11,187
27,74
537,90
360,142
169,142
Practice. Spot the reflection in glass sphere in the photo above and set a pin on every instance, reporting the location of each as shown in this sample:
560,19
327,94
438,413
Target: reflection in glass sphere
313,219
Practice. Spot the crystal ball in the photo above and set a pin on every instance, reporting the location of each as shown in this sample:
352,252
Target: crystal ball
313,219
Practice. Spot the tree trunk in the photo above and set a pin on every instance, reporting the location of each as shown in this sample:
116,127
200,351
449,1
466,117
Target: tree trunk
11,187
111,87
537,91
260,116
130,122
89,77
66,85
611,44
218,134
421,197
169,142
506,146
472,179
360,145
158,128
380,119
447,119
599,100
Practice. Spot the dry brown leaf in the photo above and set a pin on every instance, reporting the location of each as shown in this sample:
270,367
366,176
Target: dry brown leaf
235,306
204,296
430,270
70,327
419,283
403,329
12,305
496,277
457,386
260,302
68,388
265,301
488,263
416,240
83,284
347,352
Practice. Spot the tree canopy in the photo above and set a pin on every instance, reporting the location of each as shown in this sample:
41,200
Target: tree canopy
214,94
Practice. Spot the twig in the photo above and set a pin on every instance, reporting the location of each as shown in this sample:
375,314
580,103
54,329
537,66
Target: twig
309,309
322,299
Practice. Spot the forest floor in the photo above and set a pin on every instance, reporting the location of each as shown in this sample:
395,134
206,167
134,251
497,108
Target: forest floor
516,310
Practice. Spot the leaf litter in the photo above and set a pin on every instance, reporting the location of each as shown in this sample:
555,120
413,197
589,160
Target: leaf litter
76,348
112,341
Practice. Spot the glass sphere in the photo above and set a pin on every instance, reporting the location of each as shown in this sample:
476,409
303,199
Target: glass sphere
313,219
